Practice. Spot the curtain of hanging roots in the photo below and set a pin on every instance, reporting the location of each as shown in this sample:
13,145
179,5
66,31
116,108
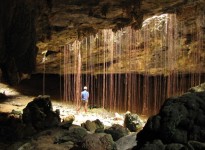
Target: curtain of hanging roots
119,79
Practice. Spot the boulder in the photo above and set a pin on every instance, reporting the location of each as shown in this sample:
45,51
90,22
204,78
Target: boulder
67,121
92,126
75,135
89,125
40,114
180,120
126,142
117,131
132,122
98,141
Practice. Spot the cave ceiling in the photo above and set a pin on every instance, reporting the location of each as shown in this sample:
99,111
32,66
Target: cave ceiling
60,22
30,27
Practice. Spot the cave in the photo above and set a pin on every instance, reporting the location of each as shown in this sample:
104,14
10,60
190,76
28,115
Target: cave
135,57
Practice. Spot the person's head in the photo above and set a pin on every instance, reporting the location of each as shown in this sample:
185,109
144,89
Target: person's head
85,88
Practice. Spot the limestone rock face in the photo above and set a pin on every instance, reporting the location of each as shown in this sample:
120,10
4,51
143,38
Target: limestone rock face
30,27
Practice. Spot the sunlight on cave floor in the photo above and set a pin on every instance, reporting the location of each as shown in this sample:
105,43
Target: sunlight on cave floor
17,101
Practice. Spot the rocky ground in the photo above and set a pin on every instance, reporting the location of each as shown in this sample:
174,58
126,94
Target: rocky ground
47,124
15,102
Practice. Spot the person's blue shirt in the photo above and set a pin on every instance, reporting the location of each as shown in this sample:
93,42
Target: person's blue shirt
84,95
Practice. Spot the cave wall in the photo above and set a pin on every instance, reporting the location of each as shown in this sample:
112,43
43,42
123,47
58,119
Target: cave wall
50,24
155,54
17,39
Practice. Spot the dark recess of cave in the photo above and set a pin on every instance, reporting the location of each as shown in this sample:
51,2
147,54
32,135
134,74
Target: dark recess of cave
34,86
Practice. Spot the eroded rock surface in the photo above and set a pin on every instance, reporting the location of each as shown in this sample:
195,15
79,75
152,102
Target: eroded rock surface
179,124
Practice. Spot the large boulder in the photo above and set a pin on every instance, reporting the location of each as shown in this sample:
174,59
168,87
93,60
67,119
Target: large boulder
40,114
179,124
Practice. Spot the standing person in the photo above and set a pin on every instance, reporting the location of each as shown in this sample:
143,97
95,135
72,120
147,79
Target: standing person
84,99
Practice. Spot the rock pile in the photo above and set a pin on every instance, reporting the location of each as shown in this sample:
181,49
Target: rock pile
39,127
